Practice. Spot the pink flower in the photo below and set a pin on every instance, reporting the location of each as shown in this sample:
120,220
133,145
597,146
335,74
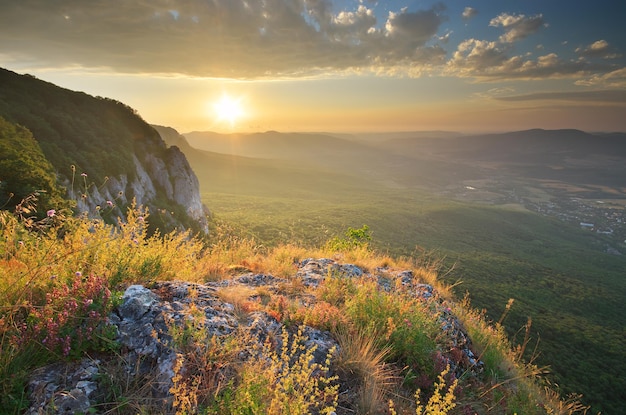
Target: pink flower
109,203
51,213
84,174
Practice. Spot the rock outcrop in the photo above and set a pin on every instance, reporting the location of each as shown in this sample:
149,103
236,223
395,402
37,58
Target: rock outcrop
145,318
159,173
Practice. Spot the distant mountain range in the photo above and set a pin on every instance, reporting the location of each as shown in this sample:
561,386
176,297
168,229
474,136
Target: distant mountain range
435,159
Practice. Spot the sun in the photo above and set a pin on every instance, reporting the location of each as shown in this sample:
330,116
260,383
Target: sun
228,109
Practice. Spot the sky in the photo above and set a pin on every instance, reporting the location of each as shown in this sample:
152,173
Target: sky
333,65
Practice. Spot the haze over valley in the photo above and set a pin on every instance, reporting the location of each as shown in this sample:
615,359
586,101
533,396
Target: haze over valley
537,216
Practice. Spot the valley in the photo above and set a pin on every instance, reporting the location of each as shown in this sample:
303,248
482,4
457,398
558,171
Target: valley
504,224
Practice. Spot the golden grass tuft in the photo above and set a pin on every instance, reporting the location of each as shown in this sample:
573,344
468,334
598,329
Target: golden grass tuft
361,358
241,297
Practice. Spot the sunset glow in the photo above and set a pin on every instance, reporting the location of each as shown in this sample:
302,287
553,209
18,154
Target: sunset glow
340,65
228,109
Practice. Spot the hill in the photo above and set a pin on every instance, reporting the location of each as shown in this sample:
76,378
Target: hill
132,323
103,153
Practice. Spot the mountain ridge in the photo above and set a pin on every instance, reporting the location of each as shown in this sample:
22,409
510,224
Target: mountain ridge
104,154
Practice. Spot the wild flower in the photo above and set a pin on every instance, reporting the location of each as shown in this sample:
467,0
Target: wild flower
439,403
51,213
70,316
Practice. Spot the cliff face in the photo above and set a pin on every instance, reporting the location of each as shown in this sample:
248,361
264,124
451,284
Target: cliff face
153,177
105,154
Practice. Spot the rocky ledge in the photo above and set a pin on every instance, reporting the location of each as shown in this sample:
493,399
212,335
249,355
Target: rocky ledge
145,316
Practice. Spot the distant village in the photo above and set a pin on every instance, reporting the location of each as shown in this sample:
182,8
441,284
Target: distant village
604,217
593,215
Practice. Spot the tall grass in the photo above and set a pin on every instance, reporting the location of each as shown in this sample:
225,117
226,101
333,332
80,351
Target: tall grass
61,276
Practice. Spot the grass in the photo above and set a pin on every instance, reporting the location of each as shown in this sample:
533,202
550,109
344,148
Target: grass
64,270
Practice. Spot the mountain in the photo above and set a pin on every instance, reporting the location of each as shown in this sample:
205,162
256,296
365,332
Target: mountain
529,145
571,157
104,154
316,149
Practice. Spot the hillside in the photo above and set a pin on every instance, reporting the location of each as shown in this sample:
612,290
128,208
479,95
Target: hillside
132,323
505,229
103,153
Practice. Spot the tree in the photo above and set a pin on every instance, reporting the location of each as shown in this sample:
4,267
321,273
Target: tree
24,170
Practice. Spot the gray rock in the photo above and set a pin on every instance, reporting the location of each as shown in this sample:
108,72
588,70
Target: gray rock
147,348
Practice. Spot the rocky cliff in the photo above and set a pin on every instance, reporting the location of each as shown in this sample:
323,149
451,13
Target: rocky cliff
153,177
104,154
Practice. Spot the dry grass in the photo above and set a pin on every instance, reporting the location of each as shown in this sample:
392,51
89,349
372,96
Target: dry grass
242,299
36,263
361,359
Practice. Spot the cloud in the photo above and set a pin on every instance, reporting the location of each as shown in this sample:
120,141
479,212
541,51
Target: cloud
517,27
469,12
220,38
613,79
598,49
612,96
488,61
246,39
417,27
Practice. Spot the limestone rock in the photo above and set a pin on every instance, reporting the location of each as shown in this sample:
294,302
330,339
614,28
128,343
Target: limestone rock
146,316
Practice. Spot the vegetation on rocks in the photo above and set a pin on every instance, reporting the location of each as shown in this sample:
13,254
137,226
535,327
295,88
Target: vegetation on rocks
403,344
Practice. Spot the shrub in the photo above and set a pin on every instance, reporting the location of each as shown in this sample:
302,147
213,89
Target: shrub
353,238
72,318
404,324
282,380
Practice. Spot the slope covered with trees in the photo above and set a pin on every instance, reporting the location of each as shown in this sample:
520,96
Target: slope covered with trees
24,170
100,150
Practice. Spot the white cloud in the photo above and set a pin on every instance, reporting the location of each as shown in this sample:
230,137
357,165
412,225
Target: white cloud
445,38
598,49
474,57
517,26
469,12
487,61
613,79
